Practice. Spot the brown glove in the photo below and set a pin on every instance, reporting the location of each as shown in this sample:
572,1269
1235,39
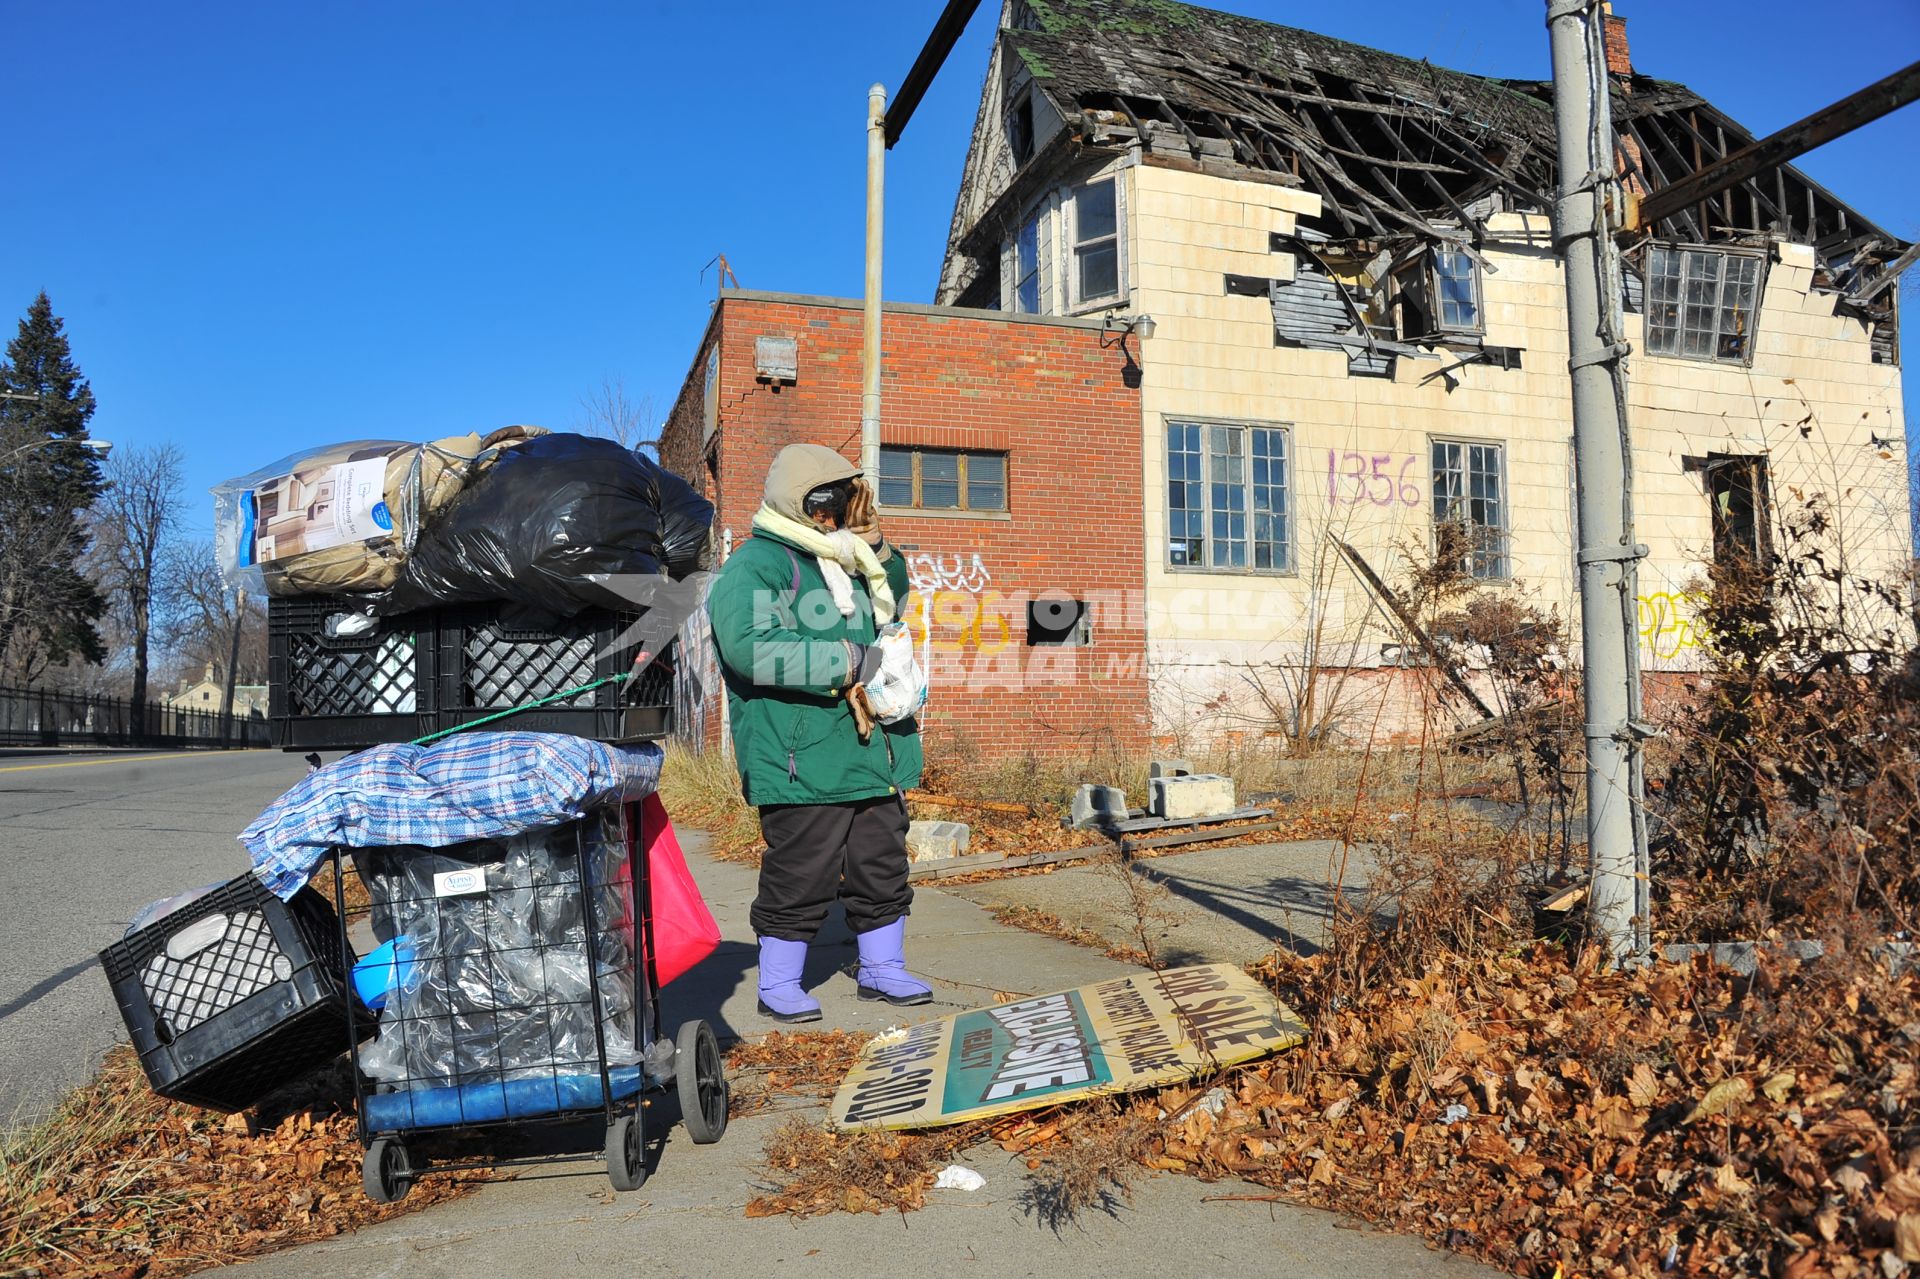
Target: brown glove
863,717
862,518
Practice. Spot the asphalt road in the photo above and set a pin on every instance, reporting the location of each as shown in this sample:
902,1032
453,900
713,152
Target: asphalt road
85,841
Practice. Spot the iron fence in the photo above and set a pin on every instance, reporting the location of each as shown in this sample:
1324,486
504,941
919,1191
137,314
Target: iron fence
48,717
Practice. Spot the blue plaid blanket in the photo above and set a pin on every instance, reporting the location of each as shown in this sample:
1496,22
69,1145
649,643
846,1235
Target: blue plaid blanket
470,786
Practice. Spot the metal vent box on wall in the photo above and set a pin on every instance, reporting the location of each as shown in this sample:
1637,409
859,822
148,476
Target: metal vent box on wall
776,359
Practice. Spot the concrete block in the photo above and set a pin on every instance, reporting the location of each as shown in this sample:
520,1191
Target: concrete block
1096,807
1170,768
937,841
1200,795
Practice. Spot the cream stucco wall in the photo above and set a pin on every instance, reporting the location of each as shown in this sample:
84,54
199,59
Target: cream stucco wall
1213,358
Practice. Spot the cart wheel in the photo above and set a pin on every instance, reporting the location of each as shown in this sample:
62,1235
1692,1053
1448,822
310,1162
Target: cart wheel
701,1078
385,1172
627,1152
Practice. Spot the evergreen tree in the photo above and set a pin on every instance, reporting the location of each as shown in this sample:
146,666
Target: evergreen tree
49,477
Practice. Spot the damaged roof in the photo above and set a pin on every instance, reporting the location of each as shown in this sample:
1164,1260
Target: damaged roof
1392,144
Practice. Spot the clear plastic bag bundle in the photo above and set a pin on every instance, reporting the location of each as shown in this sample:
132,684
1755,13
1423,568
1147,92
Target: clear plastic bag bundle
343,517
553,527
496,987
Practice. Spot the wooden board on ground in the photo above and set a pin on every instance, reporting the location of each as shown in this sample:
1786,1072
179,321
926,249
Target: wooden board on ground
1122,1035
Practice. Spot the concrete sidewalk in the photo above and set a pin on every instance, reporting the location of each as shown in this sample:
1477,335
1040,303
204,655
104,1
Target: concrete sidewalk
1226,905
687,1220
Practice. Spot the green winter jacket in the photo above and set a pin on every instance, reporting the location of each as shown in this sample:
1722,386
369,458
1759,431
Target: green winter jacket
787,669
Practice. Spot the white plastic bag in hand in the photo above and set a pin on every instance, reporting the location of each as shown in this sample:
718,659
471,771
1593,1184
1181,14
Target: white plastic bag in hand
899,688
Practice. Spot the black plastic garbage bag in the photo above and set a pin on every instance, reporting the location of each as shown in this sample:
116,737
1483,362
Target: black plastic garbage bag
547,527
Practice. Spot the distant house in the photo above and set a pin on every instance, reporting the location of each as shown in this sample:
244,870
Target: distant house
210,694
1358,336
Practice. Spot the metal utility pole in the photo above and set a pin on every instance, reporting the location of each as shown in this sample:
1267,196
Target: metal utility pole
870,355
1585,206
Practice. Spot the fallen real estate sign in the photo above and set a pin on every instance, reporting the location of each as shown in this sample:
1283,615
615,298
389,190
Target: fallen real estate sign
1117,1036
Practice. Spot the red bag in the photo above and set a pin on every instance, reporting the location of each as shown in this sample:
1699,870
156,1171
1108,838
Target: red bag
684,931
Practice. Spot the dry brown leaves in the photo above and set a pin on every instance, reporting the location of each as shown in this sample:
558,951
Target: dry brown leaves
1537,1111
125,1183
816,1171
806,1065
1543,1113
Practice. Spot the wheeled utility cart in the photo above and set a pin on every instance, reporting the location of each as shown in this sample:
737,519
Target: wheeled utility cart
515,985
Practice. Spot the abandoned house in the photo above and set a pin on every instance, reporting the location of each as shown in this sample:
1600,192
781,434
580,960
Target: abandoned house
1357,336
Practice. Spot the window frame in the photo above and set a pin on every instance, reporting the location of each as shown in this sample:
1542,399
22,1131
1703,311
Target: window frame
1416,279
1288,467
1506,500
1075,244
1020,112
1034,221
1434,277
915,452
1650,303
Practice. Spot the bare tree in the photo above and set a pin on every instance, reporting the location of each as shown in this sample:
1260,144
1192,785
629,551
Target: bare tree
213,624
133,523
610,412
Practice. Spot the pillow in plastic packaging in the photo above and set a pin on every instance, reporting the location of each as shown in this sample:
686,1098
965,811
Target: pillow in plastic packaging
343,517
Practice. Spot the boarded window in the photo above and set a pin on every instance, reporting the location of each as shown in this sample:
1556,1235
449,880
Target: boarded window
1228,497
1469,489
1701,303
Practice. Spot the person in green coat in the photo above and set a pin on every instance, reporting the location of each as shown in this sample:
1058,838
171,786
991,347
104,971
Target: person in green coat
795,612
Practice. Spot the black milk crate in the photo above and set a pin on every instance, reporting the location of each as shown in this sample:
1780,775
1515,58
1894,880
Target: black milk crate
487,665
348,692
235,994
444,668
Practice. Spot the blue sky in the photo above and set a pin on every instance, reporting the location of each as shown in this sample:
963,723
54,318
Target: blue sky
275,225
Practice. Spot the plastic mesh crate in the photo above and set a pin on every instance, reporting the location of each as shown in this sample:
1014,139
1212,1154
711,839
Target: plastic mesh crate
487,665
347,691
420,674
233,995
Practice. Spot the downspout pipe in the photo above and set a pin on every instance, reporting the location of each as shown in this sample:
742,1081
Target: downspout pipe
1588,199
870,354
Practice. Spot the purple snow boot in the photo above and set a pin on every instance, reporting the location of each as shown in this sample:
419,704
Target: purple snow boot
883,967
781,998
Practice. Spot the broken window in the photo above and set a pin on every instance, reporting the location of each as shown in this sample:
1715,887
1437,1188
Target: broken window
1737,490
1701,303
1026,266
1020,130
1096,242
1457,286
1055,622
942,480
1469,490
1438,293
1227,498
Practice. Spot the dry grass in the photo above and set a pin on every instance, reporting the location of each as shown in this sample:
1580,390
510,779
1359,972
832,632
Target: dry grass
119,1181
798,1064
702,788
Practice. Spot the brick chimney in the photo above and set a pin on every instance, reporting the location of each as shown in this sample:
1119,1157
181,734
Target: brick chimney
1619,61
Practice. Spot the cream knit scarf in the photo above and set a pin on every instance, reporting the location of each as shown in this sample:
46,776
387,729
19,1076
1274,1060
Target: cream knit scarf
840,553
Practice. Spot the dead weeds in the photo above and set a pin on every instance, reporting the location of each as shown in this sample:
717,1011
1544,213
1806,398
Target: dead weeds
801,1065
119,1181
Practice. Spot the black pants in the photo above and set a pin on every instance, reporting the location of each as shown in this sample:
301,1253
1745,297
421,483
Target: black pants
815,852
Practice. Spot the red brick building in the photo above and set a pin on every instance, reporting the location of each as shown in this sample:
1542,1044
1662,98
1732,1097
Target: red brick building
1010,477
